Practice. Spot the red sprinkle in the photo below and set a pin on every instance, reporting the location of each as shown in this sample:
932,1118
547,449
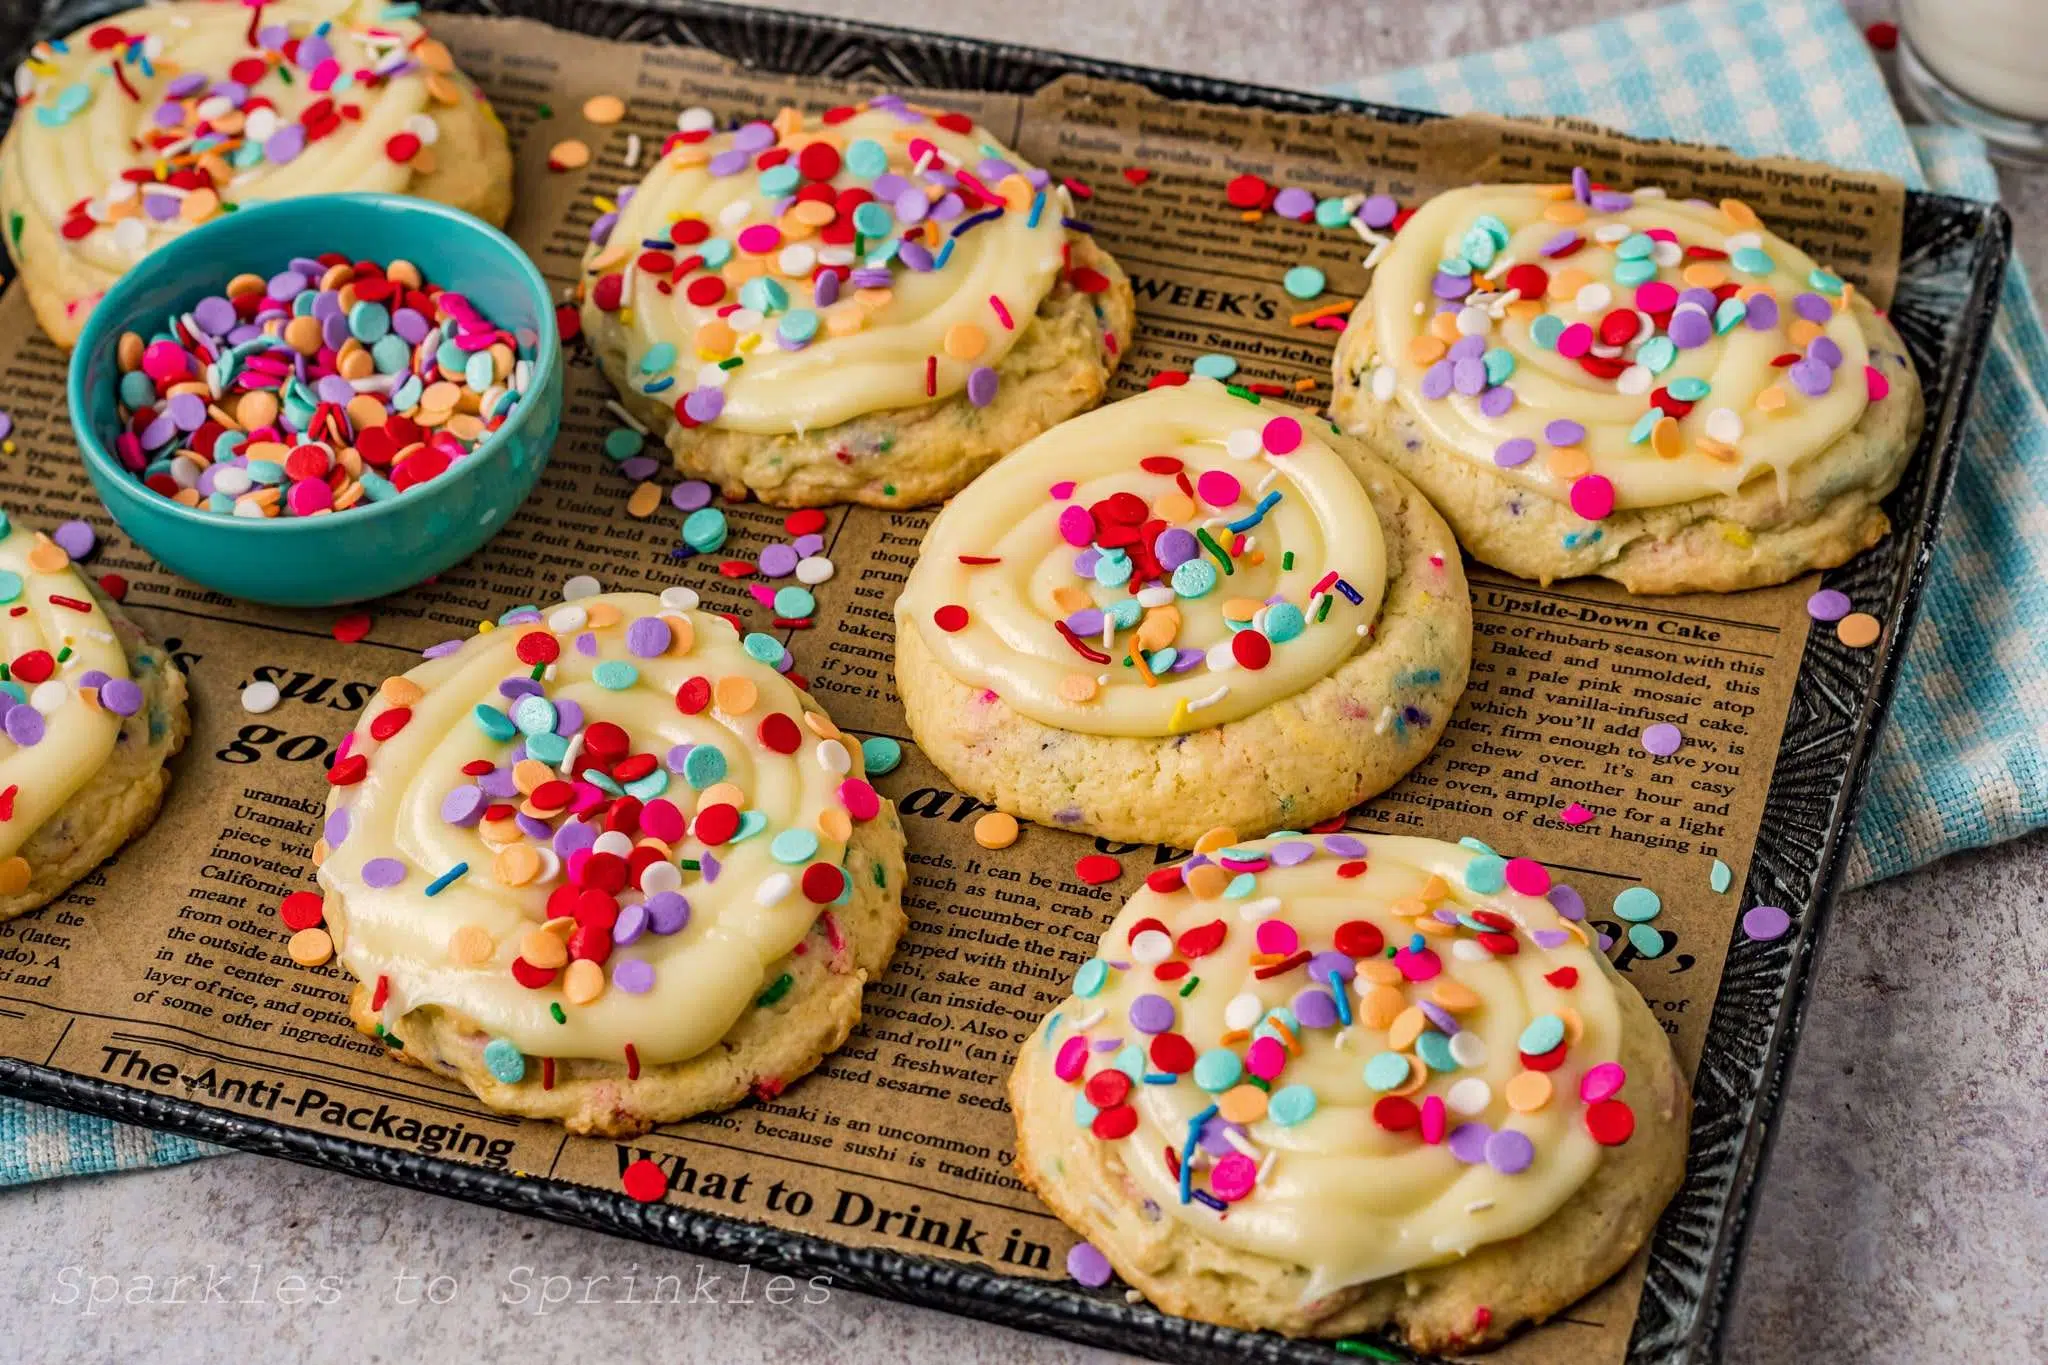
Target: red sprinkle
1097,869
643,1180
302,910
950,618
352,626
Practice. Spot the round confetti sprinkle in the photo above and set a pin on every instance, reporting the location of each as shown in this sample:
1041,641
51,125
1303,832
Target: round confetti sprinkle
1765,922
1303,282
260,697
1662,739
1859,630
996,829
879,755
1828,605
644,1181
1637,904
1097,869
1089,1266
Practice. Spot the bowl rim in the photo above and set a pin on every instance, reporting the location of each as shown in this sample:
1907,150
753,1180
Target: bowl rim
100,459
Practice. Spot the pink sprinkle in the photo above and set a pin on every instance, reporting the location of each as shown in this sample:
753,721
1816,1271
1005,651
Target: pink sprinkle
1062,490
1073,1055
860,799
1592,495
1232,1177
1282,436
1277,936
763,594
1528,876
1655,296
1876,383
1575,341
1575,814
1077,525
1002,313
1217,488
1265,1058
1602,1082
1418,965
308,496
1434,1119
759,238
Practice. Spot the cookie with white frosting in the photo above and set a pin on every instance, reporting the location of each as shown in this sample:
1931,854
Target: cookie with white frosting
606,865
871,305
90,713
1181,611
1656,391
155,120
1333,1084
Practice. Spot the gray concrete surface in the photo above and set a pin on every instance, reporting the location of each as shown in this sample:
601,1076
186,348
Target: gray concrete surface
1902,1218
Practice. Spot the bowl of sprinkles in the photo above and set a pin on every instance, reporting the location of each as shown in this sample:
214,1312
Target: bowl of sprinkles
320,400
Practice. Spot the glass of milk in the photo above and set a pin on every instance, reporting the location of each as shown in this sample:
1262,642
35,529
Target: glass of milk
1982,64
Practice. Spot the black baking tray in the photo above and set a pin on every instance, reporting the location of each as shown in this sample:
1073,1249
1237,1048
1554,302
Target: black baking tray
1954,257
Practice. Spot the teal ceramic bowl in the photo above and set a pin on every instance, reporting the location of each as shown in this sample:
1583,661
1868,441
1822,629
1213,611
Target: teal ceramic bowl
373,548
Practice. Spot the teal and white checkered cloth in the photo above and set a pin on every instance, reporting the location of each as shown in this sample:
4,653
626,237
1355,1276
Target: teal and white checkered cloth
1964,761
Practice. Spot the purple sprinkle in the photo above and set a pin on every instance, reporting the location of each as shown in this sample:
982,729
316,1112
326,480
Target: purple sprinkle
1151,1013
1446,1023
1294,203
573,837
677,756
981,386
313,50
910,204
1451,287
521,686
1497,401
667,912
1378,210
631,923
1089,1266
1175,546
1467,348
1810,377
1662,739
1690,328
532,827
1700,298
498,783
160,432
285,144
442,650
633,976
1550,938
586,645
709,866
1564,432
648,637
1086,622
24,725
214,314
122,696
1468,1142
1813,307
778,561
286,285
335,830
601,230
1825,351
915,255
383,872
76,538
1564,239
1582,184
690,494
1291,853
1436,380
1762,314
704,404
825,292
1085,562
1322,964
462,806
1828,605
809,545
729,162
1510,1152
1344,845
1611,201
1765,922
1566,901
568,717
411,324
161,207
1517,450
638,467
1315,1009
190,83
234,92
889,186
1468,377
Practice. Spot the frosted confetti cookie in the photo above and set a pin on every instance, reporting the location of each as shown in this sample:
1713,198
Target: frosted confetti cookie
1424,1102
868,306
1180,611
605,865
90,712
155,120
1658,392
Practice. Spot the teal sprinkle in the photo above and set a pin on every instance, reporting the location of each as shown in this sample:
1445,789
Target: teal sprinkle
751,823
1093,976
1486,874
1435,1050
793,846
1215,365
1476,845
763,648
550,749
1690,388
495,723
10,585
504,1060
1721,878
1646,939
620,443
1544,1032
447,879
615,675
1545,331
1644,425
1634,272
1387,1071
1291,1105
704,766
1638,904
1752,260
534,715
1826,281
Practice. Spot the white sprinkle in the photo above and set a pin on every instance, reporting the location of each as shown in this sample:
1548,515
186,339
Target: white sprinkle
1239,1141
1266,482
1474,322
773,889
1259,909
1201,702
660,877
1244,444
1266,1166
1633,380
1607,234
1383,381
617,409
581,586
49,695
1594,298
1468,1095
1087,1021
833,757
632,150
614,841
562,620
1479,1206
1667,254
696,119
1151,946
259,698
1244,1010
813,570
679,598
1724,425
1385,721
1373,257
